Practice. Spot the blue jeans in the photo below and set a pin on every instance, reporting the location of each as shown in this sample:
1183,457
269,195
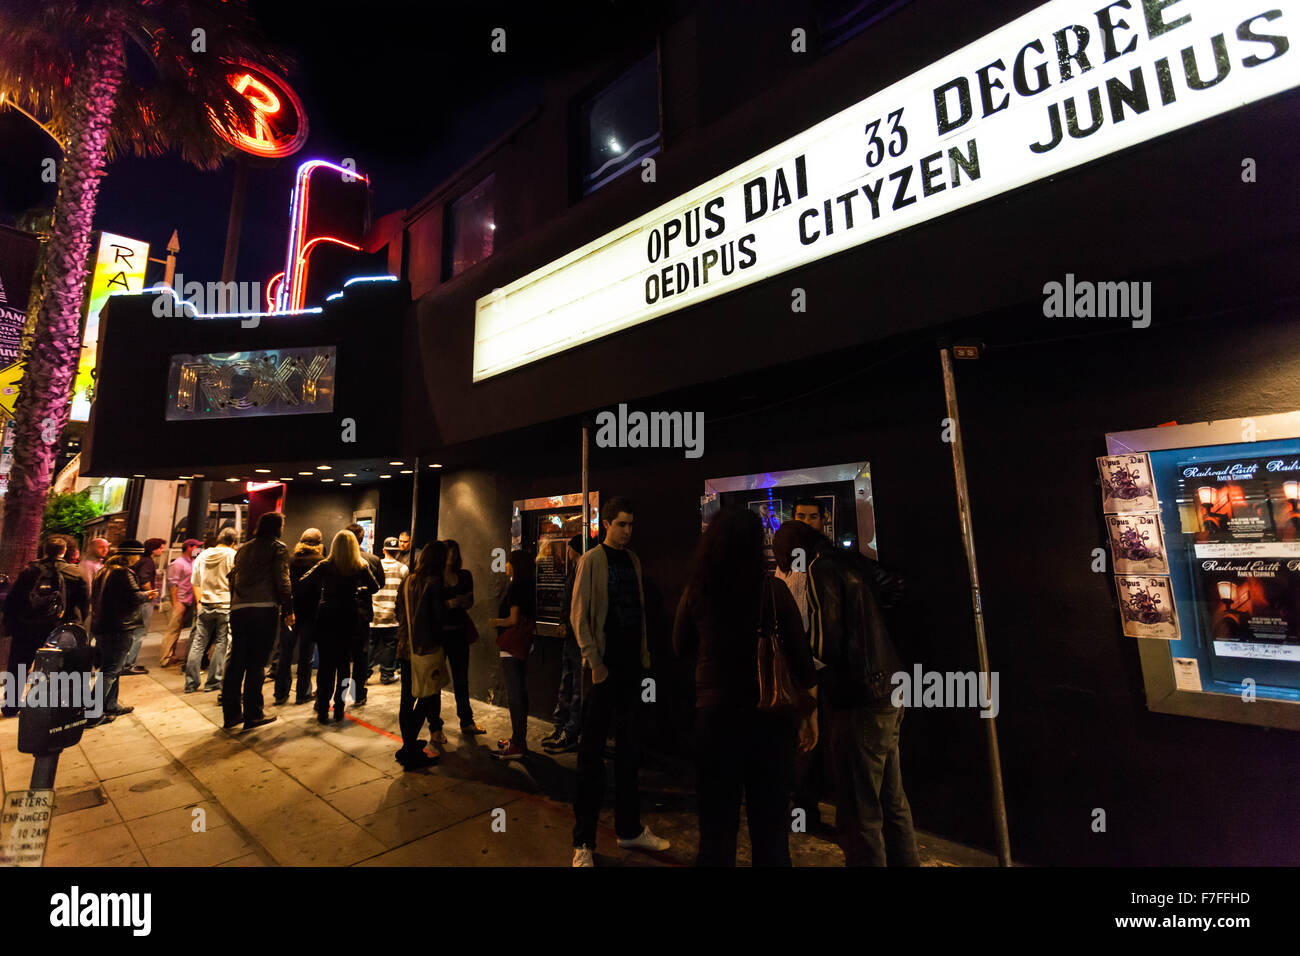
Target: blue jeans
211,625
383,651
568,702
137,641
113,648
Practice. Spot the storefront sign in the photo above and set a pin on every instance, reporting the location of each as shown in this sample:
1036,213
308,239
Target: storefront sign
295,381
279,126
25,826
1063,85
119,268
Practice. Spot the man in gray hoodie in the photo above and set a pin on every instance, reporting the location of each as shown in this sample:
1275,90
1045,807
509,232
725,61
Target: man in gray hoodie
211,580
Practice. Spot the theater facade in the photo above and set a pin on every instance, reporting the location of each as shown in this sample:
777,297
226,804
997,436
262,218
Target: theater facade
769,249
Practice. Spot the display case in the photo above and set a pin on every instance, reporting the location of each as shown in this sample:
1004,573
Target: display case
842,491
544,526
1203,523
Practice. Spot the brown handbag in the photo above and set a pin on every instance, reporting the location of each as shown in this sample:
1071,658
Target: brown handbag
777,690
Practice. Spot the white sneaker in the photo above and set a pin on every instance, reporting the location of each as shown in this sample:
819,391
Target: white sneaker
582,856
646,841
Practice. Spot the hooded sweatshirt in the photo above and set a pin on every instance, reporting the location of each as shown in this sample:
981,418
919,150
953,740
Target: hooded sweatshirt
211,577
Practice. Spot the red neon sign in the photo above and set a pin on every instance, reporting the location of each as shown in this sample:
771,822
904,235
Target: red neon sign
279,122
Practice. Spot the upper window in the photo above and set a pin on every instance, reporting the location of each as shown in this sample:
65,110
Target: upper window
621,125
841,20
471,228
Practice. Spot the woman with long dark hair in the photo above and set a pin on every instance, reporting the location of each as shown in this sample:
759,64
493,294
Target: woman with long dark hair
421,619
458,598
516,614
333,587
739,748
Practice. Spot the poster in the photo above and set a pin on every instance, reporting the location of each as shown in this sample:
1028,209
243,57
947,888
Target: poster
1126,483
1146,606
1251,606
551,564
770,511
828,515
1231,499
119,268
1137,545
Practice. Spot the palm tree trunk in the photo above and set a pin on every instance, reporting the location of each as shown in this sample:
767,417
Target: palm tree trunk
42,407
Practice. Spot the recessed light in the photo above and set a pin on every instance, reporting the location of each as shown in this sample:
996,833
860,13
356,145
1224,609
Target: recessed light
305,472
327,479
262,471
137,476
184,477
345,484
435,466
350,474
385,476
395,463
407,471
232,479
286,479
324,467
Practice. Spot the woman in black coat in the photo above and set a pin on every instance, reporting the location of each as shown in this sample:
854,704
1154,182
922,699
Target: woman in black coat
333,587
739,748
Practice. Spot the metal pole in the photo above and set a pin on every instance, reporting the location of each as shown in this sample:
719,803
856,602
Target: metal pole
415,499
43,770
968,539
586,504
236,222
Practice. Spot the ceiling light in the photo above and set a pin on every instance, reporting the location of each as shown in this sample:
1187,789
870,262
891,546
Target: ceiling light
435,466
350,474
262,471
394,462
407,471
286,479
137,476
345,484
305,472
324,468
385,476
327,479
232,479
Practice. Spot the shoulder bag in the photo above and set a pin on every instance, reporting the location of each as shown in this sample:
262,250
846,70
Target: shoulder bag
428,671
777,690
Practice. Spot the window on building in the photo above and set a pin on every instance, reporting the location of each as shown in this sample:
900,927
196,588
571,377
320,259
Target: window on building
471,228
841,20
620,125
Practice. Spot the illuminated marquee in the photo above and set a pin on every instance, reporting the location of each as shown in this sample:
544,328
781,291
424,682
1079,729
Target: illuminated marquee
1066,84
279,125
292,381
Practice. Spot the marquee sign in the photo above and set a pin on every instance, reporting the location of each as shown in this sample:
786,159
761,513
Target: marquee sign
279,126
1068,83
293,381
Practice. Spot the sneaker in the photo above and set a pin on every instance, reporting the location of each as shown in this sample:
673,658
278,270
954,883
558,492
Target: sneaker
389,680
438,738
510,752
98,721
566,743
646,841
471,729
582,856
120,711
281,701
208,689
261,721
136,669
553,736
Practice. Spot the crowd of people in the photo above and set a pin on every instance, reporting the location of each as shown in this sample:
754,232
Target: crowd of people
792,668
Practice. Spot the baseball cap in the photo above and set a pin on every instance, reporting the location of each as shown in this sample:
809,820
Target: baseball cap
189,542
390,544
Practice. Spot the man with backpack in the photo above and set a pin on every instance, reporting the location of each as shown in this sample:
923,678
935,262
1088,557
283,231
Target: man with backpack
47,593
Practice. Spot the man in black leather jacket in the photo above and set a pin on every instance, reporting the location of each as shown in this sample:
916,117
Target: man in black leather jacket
846,594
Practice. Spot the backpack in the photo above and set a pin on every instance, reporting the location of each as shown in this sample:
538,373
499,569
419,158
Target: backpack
48,597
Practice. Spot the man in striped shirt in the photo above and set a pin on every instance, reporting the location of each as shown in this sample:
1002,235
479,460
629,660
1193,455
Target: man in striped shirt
383,626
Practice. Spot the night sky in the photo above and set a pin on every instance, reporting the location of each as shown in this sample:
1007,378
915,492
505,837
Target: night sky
411,91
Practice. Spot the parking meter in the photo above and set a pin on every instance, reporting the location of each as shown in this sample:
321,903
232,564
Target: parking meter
53,715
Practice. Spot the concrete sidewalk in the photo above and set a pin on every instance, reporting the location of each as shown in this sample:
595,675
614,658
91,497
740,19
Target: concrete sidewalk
166,786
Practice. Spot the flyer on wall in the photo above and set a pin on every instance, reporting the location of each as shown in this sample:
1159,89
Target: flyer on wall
1252,606
1137,544
1126,483
1146,605
1231,499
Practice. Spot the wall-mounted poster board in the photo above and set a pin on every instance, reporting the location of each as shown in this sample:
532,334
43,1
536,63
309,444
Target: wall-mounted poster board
1226,526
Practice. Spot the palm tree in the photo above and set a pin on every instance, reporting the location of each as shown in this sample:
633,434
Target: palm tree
103,78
